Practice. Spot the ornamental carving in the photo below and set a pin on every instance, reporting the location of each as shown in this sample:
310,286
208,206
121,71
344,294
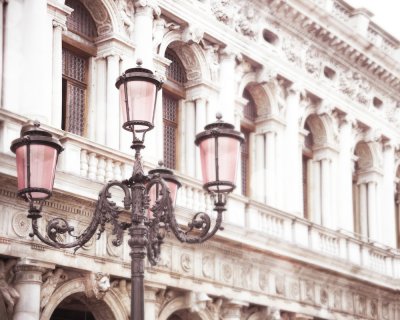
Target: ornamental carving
385,310
97,285
263,280
51,280
324,297
21,224
227,272
337,299
208,266
360,303
186,262
9,294
374,309
100,16
294,290
126,11
280,285
245,274
112,250
309,291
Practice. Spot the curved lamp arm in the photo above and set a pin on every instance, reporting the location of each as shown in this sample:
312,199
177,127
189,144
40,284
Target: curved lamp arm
106,211
163,212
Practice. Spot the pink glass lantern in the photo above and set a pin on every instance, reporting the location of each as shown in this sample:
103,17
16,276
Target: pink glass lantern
36,157
172,183
138,89
219,153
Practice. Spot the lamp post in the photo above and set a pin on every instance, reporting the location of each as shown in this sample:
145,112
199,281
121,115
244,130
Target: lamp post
149,198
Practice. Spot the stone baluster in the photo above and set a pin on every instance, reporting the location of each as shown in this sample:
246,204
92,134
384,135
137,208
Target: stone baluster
117,171
109,170
84,163
92,170
101,169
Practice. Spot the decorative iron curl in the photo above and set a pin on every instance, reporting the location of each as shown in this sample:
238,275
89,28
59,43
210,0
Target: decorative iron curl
163,210
106,211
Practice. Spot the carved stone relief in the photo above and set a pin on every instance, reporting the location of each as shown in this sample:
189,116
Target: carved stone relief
208,266
21,224
100,16
51,280
186,262
8,293
126,11
97,285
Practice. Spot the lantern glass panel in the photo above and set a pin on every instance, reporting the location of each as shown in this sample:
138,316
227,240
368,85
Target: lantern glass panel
43,160
228,156
141,101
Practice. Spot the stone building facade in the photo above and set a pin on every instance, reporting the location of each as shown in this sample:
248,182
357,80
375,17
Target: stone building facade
313,229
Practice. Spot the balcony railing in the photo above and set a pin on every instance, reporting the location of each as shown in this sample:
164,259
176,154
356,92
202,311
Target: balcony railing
246,221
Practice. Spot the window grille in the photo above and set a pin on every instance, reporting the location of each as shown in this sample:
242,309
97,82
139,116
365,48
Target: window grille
175,71
80,20
170,116
74,92
245,162
250,109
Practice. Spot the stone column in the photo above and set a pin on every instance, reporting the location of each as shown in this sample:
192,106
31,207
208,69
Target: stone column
190,155
316,192
293,177
112,108
325,192
13,55
201,114
151,306
363,214
143,32
100,115
37,52
372,214
56,98
28,281
270,152
259,174
345,166
227,80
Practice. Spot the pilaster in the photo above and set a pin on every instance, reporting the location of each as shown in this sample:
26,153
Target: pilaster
145,10
28,281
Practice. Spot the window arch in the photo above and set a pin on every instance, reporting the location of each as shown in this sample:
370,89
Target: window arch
173,92
316,171
78,46
364,192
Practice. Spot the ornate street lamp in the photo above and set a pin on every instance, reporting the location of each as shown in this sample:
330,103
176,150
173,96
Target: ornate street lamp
149,198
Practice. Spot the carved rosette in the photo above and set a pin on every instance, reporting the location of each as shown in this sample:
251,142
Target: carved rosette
21,224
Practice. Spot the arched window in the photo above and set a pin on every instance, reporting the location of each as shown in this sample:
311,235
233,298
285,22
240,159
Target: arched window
173,92
317,173
78,46
247,127
365,193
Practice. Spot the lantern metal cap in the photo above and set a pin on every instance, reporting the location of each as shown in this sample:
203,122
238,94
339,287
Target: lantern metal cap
165,173
32,133
219,128
139,73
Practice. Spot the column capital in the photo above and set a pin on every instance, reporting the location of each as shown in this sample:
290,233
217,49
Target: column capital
30,270
227,53
58,23
295,89
232,309
265,74
147,7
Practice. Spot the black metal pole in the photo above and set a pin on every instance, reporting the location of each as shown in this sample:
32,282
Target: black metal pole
137,242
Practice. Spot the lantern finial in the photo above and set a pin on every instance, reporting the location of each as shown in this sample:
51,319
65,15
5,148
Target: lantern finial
139,62
218,115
